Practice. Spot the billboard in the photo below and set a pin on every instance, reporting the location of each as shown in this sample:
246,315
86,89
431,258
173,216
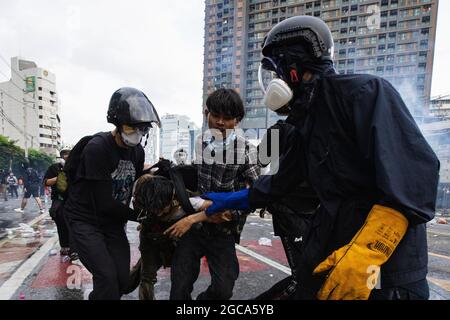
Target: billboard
30,84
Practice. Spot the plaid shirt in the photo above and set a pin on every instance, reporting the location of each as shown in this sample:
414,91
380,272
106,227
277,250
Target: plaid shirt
233,171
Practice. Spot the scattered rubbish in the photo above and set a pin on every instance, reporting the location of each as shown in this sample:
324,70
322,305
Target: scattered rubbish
21,296
65,259
49,233
442,221
53,252
24,231
265,242
270,275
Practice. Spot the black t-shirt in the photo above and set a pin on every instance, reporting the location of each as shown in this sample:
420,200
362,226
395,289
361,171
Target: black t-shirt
104,162
32,178
51,173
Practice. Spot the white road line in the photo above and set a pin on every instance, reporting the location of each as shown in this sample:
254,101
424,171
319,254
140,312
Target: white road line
8,288
264,259
438,255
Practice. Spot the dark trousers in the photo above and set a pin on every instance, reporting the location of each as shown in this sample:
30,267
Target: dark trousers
57,214
412,291
13,191
286,288
156,252
105,252
222,261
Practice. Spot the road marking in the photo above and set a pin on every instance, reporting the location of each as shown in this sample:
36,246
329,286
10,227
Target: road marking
438,255
264,259
444,284
8,288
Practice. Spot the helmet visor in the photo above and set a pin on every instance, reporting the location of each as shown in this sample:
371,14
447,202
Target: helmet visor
142,110
266,73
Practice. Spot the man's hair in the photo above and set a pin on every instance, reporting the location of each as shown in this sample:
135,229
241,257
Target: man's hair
226,102
152,194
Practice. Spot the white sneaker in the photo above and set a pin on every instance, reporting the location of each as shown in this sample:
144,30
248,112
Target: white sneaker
19,210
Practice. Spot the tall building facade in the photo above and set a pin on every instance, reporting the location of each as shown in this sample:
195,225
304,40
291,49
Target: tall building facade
393,39
176,132
29,107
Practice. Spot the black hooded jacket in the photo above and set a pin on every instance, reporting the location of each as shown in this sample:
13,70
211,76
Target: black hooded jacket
357,146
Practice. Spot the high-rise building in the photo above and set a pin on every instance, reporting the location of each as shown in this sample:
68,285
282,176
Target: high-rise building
393,39
176,132
29,107
440,107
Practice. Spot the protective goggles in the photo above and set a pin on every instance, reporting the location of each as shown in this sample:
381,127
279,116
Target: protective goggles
268,71
143,129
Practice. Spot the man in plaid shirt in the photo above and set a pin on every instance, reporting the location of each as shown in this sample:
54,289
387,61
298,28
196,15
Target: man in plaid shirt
226,162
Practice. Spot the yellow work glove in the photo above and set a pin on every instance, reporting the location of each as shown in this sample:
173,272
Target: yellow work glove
351,267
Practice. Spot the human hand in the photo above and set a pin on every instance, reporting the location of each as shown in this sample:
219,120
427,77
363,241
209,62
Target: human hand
178,229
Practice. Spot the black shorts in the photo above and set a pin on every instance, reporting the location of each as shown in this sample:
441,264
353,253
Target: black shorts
32,190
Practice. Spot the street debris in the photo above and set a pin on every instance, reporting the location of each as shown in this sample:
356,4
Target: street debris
265,242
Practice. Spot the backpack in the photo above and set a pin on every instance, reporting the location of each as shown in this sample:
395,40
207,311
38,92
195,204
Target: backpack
67,175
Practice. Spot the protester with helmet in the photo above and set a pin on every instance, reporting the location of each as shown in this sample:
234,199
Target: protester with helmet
361,152
99,195
51,178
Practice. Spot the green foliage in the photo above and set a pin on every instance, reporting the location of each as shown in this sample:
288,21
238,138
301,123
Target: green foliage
39,160
14,156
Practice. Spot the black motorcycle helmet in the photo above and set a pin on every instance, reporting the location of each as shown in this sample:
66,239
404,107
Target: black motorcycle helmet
312,32
131,107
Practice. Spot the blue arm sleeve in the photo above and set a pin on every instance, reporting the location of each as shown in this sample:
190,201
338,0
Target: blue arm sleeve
227,200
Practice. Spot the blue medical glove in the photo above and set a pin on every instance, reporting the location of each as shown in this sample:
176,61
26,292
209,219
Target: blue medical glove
227,200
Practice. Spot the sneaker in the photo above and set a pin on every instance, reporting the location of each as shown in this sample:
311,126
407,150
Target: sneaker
73,256
19,210
42,211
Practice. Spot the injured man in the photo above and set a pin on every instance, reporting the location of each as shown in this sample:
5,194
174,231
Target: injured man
163,220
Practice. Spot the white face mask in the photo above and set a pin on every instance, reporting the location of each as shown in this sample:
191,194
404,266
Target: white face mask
277,93
133,139
62,161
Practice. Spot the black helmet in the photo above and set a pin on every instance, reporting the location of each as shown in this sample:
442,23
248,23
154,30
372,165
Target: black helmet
131,106
307,29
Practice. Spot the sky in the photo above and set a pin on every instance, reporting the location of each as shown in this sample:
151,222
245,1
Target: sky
96,47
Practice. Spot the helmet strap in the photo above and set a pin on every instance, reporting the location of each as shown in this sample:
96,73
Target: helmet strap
146,139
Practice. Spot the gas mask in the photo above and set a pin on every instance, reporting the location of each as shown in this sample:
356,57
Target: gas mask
61,161
277,92
132,136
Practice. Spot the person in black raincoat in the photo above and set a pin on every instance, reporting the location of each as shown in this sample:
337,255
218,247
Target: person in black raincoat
358,148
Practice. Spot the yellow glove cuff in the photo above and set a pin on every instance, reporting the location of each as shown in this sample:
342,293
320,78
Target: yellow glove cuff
382,232
371,247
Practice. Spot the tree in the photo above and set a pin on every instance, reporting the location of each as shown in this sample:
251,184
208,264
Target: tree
13,157
39,160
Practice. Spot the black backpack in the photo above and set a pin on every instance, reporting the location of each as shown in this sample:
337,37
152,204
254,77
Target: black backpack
67,175
184,178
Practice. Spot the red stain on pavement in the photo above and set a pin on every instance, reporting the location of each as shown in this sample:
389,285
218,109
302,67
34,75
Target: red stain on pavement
274,252
56,273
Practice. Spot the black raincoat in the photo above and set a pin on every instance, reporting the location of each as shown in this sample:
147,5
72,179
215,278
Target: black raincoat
357,146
